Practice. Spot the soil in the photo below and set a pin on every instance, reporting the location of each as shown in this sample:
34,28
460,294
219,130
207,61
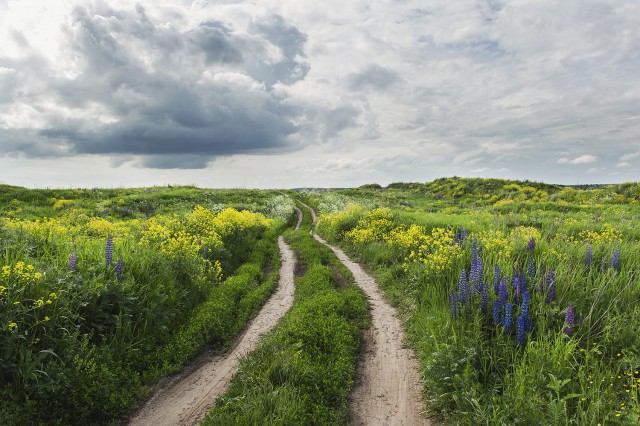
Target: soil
187,398
388,390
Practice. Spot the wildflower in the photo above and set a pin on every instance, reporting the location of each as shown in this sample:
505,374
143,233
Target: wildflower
463,287
589,256
531,244
119,268
108,251
550,280
485,299
521,327
517,288
206,253
503,295
497,312
496,278
508,317
615,259
72,261
526,300
453,305
12,326
569,319
531,269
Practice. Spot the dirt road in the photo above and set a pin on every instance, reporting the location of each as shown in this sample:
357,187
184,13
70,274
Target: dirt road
189,396
388,391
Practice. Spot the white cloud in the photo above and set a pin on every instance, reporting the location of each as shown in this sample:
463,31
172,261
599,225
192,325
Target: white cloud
511,87
583,159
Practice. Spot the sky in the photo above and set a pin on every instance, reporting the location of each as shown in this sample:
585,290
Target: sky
300,93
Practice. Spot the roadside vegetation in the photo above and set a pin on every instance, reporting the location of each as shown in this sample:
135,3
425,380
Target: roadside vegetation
521,299
103,292
303,371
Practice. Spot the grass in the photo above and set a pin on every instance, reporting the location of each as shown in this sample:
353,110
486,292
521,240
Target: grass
474,371
302,372
82,345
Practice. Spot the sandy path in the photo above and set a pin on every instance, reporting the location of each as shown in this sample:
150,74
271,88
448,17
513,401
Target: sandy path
189,396
388,392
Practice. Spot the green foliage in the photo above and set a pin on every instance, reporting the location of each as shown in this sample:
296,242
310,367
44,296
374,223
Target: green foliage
302,372
475,374
82,346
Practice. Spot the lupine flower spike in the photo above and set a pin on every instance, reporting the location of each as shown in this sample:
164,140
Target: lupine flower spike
589,257
463,288
119,268
508,317
453,305
497,312
73,260
521,327
531,244
569,319
615,259
108,251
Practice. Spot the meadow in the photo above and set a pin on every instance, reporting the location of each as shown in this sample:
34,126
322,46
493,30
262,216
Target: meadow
103,292
519,298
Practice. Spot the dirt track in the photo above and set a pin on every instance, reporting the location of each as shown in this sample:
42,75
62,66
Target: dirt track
189,396
388,391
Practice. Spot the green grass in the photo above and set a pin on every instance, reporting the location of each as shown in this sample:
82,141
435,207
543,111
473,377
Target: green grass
83,346
302,372
475,374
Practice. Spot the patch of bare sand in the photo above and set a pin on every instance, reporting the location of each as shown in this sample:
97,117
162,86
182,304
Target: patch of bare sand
187,398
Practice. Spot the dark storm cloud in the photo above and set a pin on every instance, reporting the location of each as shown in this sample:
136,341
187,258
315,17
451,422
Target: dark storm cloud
374,77
290,41
169,98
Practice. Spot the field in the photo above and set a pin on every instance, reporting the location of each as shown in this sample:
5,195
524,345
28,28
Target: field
520,299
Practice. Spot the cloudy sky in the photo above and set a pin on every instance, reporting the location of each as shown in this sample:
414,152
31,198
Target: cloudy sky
289,93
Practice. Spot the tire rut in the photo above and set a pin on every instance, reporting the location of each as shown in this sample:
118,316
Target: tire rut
388,391
190,395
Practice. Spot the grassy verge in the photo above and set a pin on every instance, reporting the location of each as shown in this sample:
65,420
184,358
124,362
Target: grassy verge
522,318
82,347
303,371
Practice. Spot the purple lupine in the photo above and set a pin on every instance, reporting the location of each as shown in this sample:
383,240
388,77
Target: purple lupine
497,312
526,301
589,257
517,288
521,328
453,305
119,268
508,317
206,253
496,278
463,287
531,269
615,259
503,293
479,275
531,244
108,251
523,281
569,319
73,259
550,280
484,306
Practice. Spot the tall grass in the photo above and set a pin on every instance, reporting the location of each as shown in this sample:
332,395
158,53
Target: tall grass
303,371
476,372
81,343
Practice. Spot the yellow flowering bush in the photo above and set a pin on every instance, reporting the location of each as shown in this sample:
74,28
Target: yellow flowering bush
374,225
436,251
20,274
607,235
